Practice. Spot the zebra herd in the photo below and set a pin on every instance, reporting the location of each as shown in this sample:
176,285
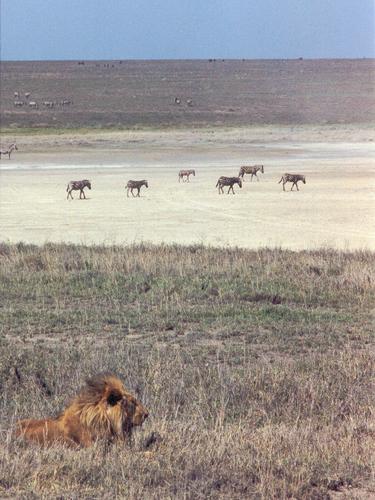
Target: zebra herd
80,186
253,170
46,104
222,182
19,103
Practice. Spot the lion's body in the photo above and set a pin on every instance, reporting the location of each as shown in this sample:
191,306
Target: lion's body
102,410
47,431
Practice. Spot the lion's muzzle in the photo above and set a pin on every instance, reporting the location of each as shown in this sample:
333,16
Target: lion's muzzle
140,415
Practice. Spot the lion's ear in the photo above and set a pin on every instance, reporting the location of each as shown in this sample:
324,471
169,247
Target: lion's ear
114,397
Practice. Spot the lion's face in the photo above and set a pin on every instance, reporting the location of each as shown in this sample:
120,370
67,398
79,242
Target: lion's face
135,412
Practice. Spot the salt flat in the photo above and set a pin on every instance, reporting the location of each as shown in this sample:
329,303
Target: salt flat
335,208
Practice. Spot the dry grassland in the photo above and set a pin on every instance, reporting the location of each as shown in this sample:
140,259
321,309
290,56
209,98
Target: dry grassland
231,92
257,368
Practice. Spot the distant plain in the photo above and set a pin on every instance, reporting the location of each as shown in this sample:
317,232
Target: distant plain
223,92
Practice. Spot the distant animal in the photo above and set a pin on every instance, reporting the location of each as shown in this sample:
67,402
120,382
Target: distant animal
228,181
251,170
48,104
131,185
293,178
177,100
27,95
18,103
77,186
185,173
11,148
189,102
103,409
16,95
33,104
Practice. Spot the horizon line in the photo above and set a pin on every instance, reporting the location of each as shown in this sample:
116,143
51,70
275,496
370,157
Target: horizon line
210,59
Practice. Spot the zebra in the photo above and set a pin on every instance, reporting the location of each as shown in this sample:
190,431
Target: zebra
27,95
77,185
185,173
33,104
135,185
8,152
177,100
16,95
294,178
189,102
228,181
18,103
251,170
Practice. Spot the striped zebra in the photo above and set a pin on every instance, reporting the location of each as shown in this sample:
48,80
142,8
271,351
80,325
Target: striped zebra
135,185
251,170
293,178
77,186
8,152
185,173
228,181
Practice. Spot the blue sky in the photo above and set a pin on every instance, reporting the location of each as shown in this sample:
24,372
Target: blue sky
186,29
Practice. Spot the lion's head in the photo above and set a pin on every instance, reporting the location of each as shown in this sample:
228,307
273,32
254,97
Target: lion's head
104,404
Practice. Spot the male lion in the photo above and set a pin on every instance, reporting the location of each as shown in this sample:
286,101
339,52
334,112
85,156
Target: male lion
103,409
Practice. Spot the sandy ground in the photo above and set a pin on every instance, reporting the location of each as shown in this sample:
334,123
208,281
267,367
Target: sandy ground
335,208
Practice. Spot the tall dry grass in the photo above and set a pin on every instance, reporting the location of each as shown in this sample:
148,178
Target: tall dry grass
257,368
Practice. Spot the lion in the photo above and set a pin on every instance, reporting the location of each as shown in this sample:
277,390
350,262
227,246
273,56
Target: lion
103,409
